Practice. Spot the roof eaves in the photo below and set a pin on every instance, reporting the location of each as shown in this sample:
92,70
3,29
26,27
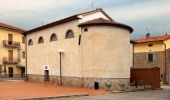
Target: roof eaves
71,18
96,10
14,29
108,24
148,41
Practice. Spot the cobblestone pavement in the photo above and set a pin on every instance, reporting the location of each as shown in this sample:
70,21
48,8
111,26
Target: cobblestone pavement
142,95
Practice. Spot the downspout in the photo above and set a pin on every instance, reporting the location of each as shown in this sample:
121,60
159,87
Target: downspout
133,54
81,29
26,77
61,78
165,73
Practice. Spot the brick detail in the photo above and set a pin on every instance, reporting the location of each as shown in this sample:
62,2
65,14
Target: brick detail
141,60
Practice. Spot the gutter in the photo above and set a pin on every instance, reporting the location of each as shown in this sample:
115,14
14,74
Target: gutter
133,54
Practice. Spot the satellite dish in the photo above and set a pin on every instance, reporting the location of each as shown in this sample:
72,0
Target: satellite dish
148,35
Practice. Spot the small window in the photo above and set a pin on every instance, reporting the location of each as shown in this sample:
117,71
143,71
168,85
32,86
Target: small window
40,40
150,45
69,34
23,54
85,30
150,57
23,39
53,37
30,42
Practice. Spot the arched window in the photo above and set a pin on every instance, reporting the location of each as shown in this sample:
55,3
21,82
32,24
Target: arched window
40,40
69,34
53,37
30,42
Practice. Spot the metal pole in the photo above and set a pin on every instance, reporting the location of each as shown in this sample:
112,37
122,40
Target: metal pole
60,72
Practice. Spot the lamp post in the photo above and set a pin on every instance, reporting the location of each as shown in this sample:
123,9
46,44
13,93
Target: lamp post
60,51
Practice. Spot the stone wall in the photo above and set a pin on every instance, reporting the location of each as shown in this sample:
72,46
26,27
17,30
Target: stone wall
141,60
86,82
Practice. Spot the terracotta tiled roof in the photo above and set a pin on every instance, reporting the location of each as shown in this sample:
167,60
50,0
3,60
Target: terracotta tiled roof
2,25
152,39
102,21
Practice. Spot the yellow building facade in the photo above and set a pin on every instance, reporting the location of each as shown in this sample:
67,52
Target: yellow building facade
153,52
12,52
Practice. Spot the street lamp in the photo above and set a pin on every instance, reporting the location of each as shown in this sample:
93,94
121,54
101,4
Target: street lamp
60,51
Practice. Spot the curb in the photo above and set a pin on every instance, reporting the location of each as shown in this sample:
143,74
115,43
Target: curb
136,90
54,97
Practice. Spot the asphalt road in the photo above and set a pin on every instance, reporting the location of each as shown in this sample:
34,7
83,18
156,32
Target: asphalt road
141,95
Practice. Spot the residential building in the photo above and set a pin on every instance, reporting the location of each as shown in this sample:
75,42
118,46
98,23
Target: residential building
79,51
153,52
12,51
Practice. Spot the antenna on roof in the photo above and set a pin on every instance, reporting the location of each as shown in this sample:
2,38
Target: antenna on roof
166,33
148,33
92,5
42,22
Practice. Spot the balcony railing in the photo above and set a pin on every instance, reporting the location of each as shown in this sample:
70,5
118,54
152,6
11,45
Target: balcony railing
12,44
10,76
10,61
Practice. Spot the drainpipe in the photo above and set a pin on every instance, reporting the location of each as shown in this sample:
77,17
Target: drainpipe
61,79
26,77
165,73
133,54
80,51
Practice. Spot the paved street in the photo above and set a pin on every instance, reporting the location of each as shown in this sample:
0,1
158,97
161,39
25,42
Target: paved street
143,95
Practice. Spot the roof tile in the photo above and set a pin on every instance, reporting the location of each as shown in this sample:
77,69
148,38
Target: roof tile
11,27
152,39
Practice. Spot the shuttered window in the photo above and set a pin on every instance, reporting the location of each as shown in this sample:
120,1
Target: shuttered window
150,57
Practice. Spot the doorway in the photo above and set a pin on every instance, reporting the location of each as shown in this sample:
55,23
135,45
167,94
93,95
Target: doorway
22,72
46,76
10,56
10,72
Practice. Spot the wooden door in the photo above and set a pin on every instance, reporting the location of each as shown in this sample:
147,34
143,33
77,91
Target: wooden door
46,76
10,56
10,71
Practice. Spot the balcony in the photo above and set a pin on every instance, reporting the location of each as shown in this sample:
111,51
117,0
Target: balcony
10,61
11,44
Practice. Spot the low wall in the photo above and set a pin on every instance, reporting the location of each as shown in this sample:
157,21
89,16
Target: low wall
85,82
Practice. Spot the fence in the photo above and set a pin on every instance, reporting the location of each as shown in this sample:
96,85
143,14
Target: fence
148,75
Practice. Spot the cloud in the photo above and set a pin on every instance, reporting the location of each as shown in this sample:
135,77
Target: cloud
29,14
140,10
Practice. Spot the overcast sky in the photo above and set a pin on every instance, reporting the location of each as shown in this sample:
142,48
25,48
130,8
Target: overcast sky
139,14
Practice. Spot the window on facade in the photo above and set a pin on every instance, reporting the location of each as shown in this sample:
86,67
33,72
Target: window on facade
150,57
30,42
40,40
150,45
23,54
69,34
23,39
53,37
85,29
